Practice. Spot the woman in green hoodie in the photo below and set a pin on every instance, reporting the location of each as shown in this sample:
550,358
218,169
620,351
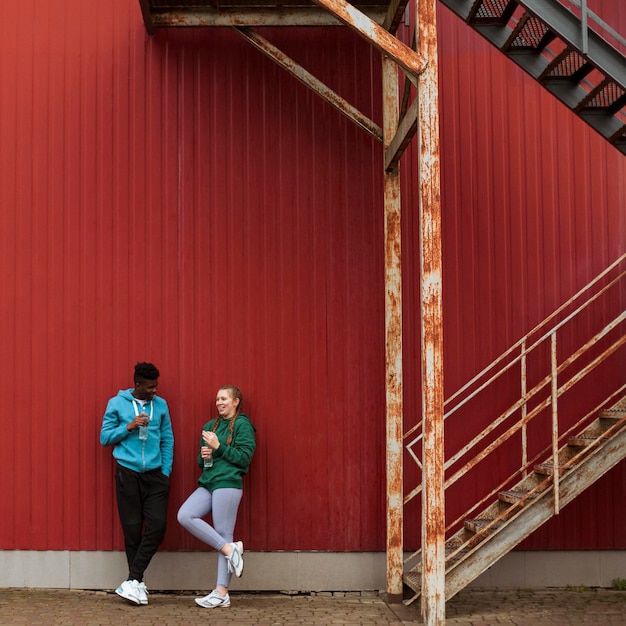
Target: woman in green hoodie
226,448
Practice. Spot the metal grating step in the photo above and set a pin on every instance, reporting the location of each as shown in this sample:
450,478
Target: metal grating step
617,411
514,496
569,65
479,525
582,441
491,12
547,468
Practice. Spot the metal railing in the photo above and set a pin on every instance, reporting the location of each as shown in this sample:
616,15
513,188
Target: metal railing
590,20
543,340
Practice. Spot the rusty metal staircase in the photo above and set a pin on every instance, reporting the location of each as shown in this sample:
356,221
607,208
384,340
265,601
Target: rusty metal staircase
573,443
531,502
550,40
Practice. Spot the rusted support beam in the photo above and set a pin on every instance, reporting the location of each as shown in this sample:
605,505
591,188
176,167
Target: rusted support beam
408,120
433,494
305,77
251,16
393,340
406,58
406,131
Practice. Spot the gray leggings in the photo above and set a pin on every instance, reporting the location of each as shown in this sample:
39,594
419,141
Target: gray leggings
223,504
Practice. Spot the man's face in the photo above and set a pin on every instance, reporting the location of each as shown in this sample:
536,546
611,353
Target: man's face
145,389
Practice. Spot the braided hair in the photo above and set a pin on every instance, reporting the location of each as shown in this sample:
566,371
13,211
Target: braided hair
235,393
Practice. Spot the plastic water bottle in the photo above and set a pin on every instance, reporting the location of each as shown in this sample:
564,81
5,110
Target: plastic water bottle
208,460
143,433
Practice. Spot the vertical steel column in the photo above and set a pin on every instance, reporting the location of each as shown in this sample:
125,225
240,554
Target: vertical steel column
433,496
393,338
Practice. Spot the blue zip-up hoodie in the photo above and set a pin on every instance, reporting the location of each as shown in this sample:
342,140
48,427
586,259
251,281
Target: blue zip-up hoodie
157,452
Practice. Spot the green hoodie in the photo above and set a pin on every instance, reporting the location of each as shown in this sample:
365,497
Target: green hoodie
230,462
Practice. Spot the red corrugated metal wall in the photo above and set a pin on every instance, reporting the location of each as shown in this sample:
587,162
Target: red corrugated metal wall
180,199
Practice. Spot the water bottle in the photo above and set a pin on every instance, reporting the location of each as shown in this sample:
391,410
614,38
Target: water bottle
143,433
208,460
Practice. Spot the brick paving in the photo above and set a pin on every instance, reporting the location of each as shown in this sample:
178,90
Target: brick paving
472,607
537,607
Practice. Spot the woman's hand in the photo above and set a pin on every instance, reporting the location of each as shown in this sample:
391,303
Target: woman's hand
211,440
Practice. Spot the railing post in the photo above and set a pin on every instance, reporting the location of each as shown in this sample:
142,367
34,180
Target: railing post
583,20
555,422
524,409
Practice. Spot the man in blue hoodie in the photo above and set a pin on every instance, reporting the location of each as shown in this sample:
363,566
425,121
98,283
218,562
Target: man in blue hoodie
137,424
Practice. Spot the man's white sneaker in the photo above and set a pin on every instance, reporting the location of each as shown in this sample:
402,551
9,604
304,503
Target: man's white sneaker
142,593
129,591
235,560
214,601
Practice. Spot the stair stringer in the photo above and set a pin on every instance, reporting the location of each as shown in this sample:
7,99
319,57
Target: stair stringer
537,511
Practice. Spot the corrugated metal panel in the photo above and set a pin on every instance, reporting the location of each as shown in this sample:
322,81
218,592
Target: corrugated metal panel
180,199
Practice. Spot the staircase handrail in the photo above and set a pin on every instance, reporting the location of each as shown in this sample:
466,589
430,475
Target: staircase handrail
586,15
542,324
519,343
536,389
524,349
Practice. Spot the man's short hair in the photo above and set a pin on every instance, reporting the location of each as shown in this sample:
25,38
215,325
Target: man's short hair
145,371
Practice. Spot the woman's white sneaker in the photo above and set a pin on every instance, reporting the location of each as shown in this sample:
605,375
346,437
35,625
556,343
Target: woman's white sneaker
214,601
235,560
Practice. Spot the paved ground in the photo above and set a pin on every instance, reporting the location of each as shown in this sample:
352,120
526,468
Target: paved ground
473,607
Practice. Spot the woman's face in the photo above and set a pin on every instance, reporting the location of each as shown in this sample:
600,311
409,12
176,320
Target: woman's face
225,403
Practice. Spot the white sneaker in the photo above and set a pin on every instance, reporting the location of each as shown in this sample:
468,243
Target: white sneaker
129,591
214,601
235,560
142,593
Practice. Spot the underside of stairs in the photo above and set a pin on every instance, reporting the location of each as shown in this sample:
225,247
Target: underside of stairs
547,40
531,502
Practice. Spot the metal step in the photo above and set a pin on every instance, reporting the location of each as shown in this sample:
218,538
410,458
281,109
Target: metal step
478,525
547,468
513,496
618,411
582,441
546,39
